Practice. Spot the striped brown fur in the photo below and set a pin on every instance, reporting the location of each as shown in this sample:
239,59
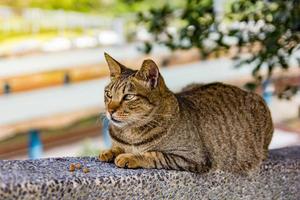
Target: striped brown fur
204,127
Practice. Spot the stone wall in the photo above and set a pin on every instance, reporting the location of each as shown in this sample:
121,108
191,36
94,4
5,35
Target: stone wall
278,178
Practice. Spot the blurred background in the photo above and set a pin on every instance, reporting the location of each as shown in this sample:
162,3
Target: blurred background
52,68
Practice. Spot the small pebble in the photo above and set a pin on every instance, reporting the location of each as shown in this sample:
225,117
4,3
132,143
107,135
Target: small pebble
72,167
78,166
86,170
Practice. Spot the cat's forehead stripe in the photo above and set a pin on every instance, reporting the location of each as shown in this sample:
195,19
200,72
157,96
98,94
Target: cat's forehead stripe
130,87
115,85
111,87
119,85
122,86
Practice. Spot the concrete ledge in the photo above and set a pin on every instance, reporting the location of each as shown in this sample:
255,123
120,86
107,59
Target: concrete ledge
279,178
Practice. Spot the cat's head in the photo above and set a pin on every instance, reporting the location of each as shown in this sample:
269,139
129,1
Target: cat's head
132,96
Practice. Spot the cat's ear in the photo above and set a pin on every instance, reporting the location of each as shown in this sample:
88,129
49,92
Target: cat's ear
148,73
115,67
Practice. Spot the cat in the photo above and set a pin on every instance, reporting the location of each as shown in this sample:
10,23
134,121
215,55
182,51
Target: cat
205,127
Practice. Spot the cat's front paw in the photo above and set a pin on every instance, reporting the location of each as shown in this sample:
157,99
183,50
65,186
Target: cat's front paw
127,160
106,156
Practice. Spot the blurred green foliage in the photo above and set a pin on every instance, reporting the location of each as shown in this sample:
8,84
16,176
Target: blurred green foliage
279,37
269,29
102,7
76,5
193,22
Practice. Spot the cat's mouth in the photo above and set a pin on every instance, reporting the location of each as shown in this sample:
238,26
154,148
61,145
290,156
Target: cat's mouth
115,121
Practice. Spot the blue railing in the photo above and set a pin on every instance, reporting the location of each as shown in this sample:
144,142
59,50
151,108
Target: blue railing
35,147
267,91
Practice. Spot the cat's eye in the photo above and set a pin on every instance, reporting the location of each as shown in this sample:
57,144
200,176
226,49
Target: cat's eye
128,97
108,94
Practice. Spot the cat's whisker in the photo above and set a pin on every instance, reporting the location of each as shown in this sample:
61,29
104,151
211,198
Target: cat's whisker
98,122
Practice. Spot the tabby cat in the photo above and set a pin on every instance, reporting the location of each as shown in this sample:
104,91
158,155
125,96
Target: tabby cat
204,127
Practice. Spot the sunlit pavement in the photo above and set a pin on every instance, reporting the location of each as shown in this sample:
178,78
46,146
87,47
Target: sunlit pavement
74,149
283,138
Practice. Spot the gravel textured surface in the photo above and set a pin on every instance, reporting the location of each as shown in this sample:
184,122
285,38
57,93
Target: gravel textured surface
278,178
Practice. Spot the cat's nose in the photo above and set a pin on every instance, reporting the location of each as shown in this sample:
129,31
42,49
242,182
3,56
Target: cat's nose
112,107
